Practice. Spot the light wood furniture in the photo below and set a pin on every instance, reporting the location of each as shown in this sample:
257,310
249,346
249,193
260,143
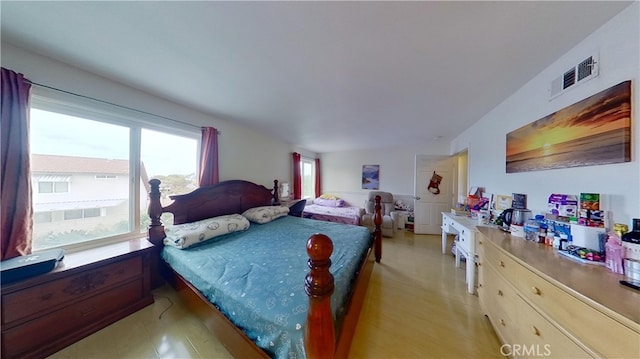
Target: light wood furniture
236,196
541,302
89,290
465,246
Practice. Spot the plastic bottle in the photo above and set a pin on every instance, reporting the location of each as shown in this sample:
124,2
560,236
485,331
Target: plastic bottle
549,239
531,228
542,231
613,253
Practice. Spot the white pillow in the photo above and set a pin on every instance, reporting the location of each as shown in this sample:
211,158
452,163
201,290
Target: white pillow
265,214
186,235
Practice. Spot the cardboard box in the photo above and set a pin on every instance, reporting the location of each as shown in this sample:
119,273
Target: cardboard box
563,205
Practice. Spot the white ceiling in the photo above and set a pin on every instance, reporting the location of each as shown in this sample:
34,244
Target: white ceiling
325,76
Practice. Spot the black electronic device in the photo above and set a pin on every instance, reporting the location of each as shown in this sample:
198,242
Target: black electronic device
30,265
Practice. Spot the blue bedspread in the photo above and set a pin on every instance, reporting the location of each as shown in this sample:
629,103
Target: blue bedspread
256,277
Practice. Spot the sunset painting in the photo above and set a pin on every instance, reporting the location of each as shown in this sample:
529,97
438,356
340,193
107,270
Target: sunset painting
594,131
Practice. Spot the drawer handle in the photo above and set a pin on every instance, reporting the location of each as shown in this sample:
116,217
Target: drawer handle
500,293
536,290
46,296
535,331
480,242
503,323
501,264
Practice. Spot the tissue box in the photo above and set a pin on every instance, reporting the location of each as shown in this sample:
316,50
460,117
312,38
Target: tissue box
563,205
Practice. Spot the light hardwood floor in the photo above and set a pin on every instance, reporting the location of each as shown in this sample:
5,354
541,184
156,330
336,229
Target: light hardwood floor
417,307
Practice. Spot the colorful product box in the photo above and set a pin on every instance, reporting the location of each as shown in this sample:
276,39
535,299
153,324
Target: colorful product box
565,205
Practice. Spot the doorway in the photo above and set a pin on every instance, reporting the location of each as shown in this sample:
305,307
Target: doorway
429,203
453,187
462,164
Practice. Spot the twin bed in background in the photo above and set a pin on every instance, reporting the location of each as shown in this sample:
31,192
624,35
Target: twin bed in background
244,267
333,209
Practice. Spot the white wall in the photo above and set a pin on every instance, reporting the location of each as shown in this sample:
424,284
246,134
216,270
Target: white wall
619,184
244,154
342,171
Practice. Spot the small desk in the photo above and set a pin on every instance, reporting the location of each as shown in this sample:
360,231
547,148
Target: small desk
466,244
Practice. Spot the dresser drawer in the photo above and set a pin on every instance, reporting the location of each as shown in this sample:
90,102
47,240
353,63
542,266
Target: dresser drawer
503,264
41,298
34,333
500,295
445,224
506,328
540,338
612,339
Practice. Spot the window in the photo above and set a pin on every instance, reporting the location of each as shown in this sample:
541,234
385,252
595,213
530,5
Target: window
81,213
53,187
85,158
308,174
42,217
175,166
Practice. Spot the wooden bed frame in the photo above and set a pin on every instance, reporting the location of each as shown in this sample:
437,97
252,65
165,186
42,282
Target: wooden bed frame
236,196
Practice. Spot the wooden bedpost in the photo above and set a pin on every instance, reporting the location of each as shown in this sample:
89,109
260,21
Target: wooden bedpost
319,335
377,233
276,200
156,229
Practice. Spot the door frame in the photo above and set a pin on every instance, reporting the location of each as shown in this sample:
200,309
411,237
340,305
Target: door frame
436,219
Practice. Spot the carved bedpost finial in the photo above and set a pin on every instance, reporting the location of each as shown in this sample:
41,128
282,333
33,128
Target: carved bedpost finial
319,335
156,229
377,233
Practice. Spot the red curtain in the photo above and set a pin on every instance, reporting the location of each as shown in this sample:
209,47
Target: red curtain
297,177
209,174
318,186
16,212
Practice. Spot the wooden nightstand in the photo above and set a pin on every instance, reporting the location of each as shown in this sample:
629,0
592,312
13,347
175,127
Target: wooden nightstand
88,291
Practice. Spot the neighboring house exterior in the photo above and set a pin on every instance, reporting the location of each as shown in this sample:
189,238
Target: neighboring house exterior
78,194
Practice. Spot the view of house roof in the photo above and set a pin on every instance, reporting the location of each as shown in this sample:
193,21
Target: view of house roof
71,164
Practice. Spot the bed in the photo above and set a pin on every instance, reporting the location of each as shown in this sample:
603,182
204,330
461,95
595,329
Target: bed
245,311
333,210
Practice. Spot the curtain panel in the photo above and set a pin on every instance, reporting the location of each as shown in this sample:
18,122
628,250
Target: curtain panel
16,212
209,174
297,176
318,185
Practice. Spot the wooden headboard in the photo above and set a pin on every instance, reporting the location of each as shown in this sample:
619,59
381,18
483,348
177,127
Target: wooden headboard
228,197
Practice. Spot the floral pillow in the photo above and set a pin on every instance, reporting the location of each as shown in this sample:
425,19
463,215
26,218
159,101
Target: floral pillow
188,234
265,214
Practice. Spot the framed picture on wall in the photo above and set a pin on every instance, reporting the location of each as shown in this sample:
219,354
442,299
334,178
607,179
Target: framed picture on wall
371,177
594,131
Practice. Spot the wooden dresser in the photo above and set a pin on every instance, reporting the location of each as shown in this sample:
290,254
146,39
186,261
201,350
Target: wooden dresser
89,290
543,304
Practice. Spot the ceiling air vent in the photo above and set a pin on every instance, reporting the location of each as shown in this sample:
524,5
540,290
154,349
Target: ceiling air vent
585,70
569,79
